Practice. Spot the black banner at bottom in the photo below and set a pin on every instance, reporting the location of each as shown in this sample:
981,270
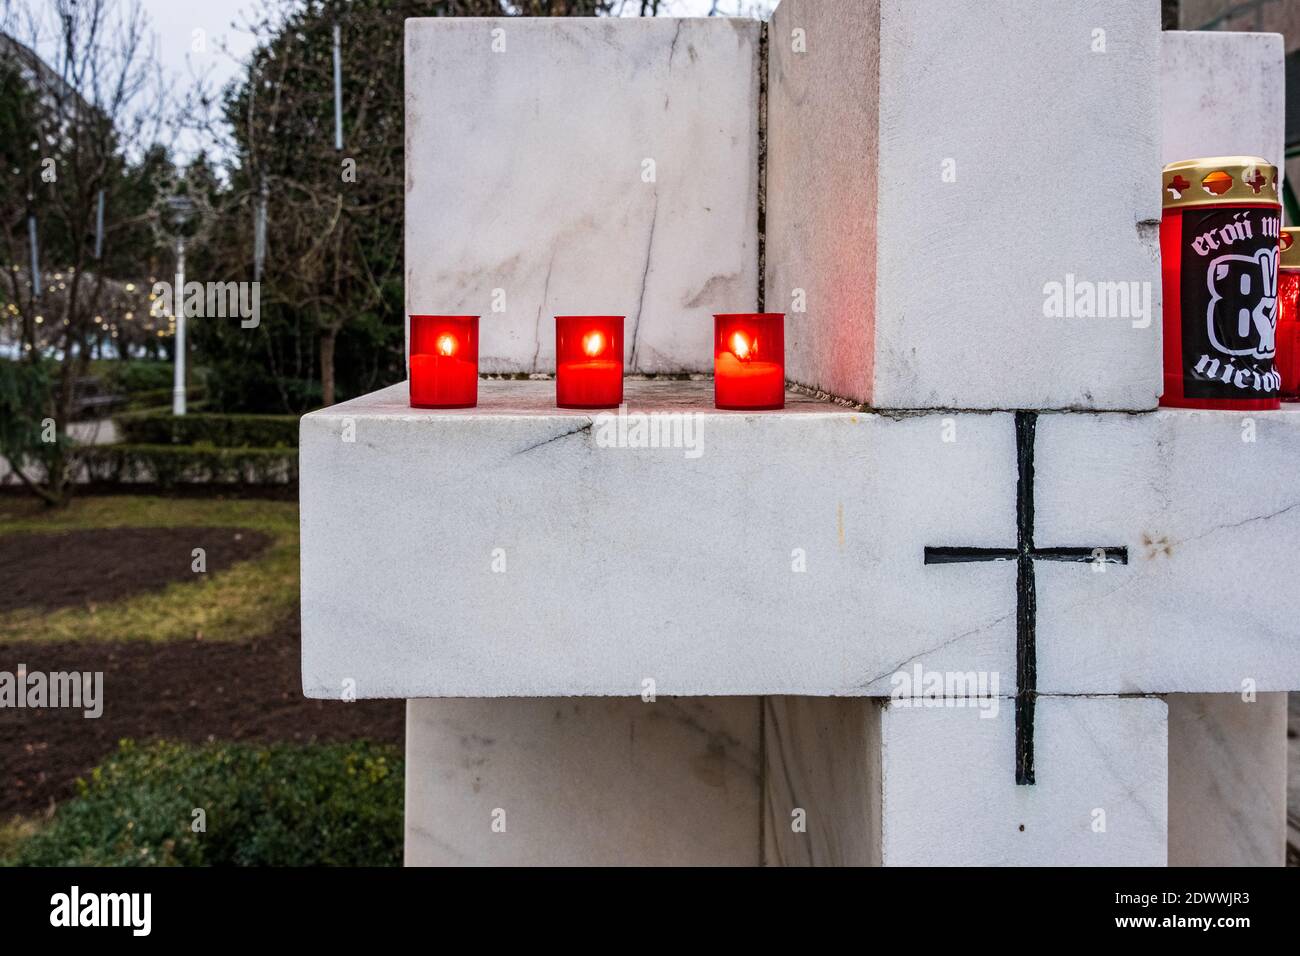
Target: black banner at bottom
916,906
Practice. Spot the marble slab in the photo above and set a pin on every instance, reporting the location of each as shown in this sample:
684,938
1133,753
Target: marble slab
1208,508
1227,780
822,788
822,227
1223,94
925,192
950,797
583,166
590,781
878,783
1293,780
517,549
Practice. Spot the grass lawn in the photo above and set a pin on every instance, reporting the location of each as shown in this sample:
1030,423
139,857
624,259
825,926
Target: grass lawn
220,723
14,831
239,602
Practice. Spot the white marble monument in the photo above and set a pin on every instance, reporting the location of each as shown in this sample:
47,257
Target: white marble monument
969,599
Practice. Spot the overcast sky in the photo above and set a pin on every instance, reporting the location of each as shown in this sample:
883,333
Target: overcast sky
224,24
228,42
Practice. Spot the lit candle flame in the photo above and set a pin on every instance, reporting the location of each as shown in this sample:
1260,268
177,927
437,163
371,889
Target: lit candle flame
446,345
593,343
742,347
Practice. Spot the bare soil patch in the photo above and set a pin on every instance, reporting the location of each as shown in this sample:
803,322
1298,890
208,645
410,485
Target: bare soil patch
181,690
49,571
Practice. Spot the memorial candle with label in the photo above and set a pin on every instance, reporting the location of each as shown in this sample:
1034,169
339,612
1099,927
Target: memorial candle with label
588,361
444,361
749,361
1288,315
1219,266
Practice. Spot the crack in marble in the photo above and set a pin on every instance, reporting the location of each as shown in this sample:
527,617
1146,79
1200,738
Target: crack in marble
733,749
573,431
645,275
934,650
714,290
1130,789
428,835
899,413
672,52
1239,524
546,290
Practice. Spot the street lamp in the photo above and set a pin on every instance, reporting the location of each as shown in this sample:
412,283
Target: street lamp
181,210
177,218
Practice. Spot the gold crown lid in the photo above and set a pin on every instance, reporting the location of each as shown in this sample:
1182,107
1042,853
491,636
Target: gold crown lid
1226,180
1289,242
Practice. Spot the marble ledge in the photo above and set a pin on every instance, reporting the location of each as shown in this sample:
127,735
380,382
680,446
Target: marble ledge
535,398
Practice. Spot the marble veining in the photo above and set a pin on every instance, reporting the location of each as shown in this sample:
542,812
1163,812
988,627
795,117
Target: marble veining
583,170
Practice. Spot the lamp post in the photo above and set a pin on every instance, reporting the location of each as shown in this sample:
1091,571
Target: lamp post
178,309
178,218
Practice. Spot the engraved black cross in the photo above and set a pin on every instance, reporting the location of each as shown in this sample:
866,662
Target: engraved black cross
1025,554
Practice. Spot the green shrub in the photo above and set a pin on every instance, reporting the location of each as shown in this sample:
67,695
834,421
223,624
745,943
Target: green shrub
223,431
25,398
171,465
278,805
137,375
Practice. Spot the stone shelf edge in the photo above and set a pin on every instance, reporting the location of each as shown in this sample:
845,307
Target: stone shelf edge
536,398
792,543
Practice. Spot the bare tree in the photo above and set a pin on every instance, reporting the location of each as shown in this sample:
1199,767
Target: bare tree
74,118
333,217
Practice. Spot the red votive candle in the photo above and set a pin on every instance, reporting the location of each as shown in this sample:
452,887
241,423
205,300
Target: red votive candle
749,361
1219,266
588,361
1288,315
444,361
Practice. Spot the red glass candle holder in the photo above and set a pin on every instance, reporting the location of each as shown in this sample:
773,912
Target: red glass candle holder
1219,266
588,361
1288,315
444,361
749,361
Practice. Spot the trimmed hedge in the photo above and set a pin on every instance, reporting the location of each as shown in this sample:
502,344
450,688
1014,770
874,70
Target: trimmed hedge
161,399
276,805
223,431
171,465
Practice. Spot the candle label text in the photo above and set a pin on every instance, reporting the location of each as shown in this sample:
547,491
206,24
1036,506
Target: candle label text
1228,288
